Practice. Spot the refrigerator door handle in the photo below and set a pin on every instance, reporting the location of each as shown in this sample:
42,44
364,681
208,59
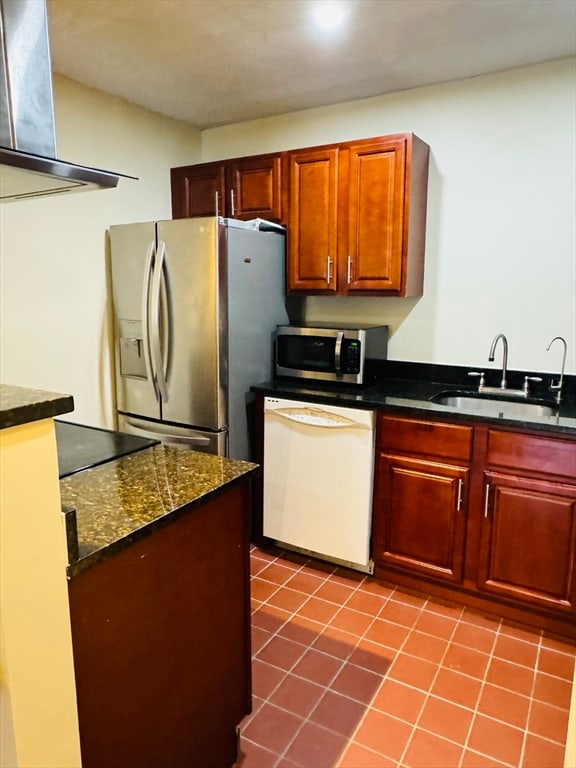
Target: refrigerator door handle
146,318
155,343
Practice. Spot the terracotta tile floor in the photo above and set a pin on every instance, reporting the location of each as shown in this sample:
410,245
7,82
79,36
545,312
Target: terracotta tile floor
348,673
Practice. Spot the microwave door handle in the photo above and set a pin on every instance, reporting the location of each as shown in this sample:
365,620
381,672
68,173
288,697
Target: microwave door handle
338,353
155,342
146,319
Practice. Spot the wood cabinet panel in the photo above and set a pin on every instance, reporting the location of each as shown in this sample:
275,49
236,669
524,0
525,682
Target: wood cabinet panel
254,188
487,513
529,541
422,505
532,453
241,188
362,209
376,216
432,439
198,190
312,231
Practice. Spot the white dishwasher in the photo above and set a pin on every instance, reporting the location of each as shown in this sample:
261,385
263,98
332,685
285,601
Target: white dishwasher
318,478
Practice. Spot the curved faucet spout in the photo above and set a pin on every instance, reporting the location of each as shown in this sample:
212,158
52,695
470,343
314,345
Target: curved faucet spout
495,340
553,386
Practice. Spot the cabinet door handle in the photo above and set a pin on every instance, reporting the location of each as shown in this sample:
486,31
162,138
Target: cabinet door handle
232,207
349,273
328,270
217,203
459,502
486,499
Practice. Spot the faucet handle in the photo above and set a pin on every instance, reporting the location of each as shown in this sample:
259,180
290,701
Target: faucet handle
480,375
526,385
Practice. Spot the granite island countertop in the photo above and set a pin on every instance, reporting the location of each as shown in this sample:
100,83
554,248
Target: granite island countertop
22,405
120,501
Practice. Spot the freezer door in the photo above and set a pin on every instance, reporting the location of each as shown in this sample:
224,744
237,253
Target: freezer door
132,249
180,437
194,347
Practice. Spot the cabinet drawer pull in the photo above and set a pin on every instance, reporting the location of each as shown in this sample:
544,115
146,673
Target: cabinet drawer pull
217,203
349,273
486,499
232,208
459,502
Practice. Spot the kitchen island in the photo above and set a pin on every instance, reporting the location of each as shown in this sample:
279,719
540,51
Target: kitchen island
137,619
160,607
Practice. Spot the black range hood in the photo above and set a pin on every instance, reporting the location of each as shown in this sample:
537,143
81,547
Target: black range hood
28,164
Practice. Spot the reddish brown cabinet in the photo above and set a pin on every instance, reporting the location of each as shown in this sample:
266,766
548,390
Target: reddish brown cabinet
161,641
528,538
483,515
242,188
313,220
357,217
421,497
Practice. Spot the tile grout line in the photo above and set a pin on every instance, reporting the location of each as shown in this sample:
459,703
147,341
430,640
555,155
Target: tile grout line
439,666
475,710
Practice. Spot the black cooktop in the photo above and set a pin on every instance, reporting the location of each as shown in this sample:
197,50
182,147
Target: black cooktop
81,447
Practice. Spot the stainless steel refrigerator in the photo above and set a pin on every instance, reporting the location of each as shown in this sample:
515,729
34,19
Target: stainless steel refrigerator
196,303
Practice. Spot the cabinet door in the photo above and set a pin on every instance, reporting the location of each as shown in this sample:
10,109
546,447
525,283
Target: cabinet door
313,220
254,188
198,190
376,249
420,516
529,540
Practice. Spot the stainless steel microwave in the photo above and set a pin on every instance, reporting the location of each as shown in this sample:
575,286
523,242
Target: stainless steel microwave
329,352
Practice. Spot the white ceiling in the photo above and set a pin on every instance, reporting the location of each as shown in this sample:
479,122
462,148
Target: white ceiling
213,62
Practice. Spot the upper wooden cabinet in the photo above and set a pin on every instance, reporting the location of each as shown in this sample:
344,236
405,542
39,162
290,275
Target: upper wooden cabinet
242,188
357,217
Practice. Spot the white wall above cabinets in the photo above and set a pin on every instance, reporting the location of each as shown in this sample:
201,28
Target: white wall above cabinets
500,242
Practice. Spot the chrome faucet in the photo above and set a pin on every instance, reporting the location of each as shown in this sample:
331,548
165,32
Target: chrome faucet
503,382
557,387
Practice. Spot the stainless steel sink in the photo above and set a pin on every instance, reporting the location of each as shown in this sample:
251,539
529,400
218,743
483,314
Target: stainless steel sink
493,406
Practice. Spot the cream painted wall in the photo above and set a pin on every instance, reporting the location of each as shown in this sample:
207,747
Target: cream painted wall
54,310
501,251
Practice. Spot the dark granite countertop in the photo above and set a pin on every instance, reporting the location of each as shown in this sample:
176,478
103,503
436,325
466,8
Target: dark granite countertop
408,387
21,405
124,499
81,447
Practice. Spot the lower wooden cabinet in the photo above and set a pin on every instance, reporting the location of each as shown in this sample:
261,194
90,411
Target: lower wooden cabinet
424,510
528,532
161,641
527,544
485,516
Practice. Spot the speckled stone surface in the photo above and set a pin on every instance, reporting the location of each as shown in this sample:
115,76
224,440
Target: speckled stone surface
412,397
20,405
121,500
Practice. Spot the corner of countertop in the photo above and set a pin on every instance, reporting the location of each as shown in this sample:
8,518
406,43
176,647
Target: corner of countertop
22,405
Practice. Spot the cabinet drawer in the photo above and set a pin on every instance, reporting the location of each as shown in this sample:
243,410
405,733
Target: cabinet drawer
447,441
536,454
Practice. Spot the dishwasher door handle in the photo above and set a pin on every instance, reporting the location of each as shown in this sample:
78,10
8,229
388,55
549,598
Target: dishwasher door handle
314,417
